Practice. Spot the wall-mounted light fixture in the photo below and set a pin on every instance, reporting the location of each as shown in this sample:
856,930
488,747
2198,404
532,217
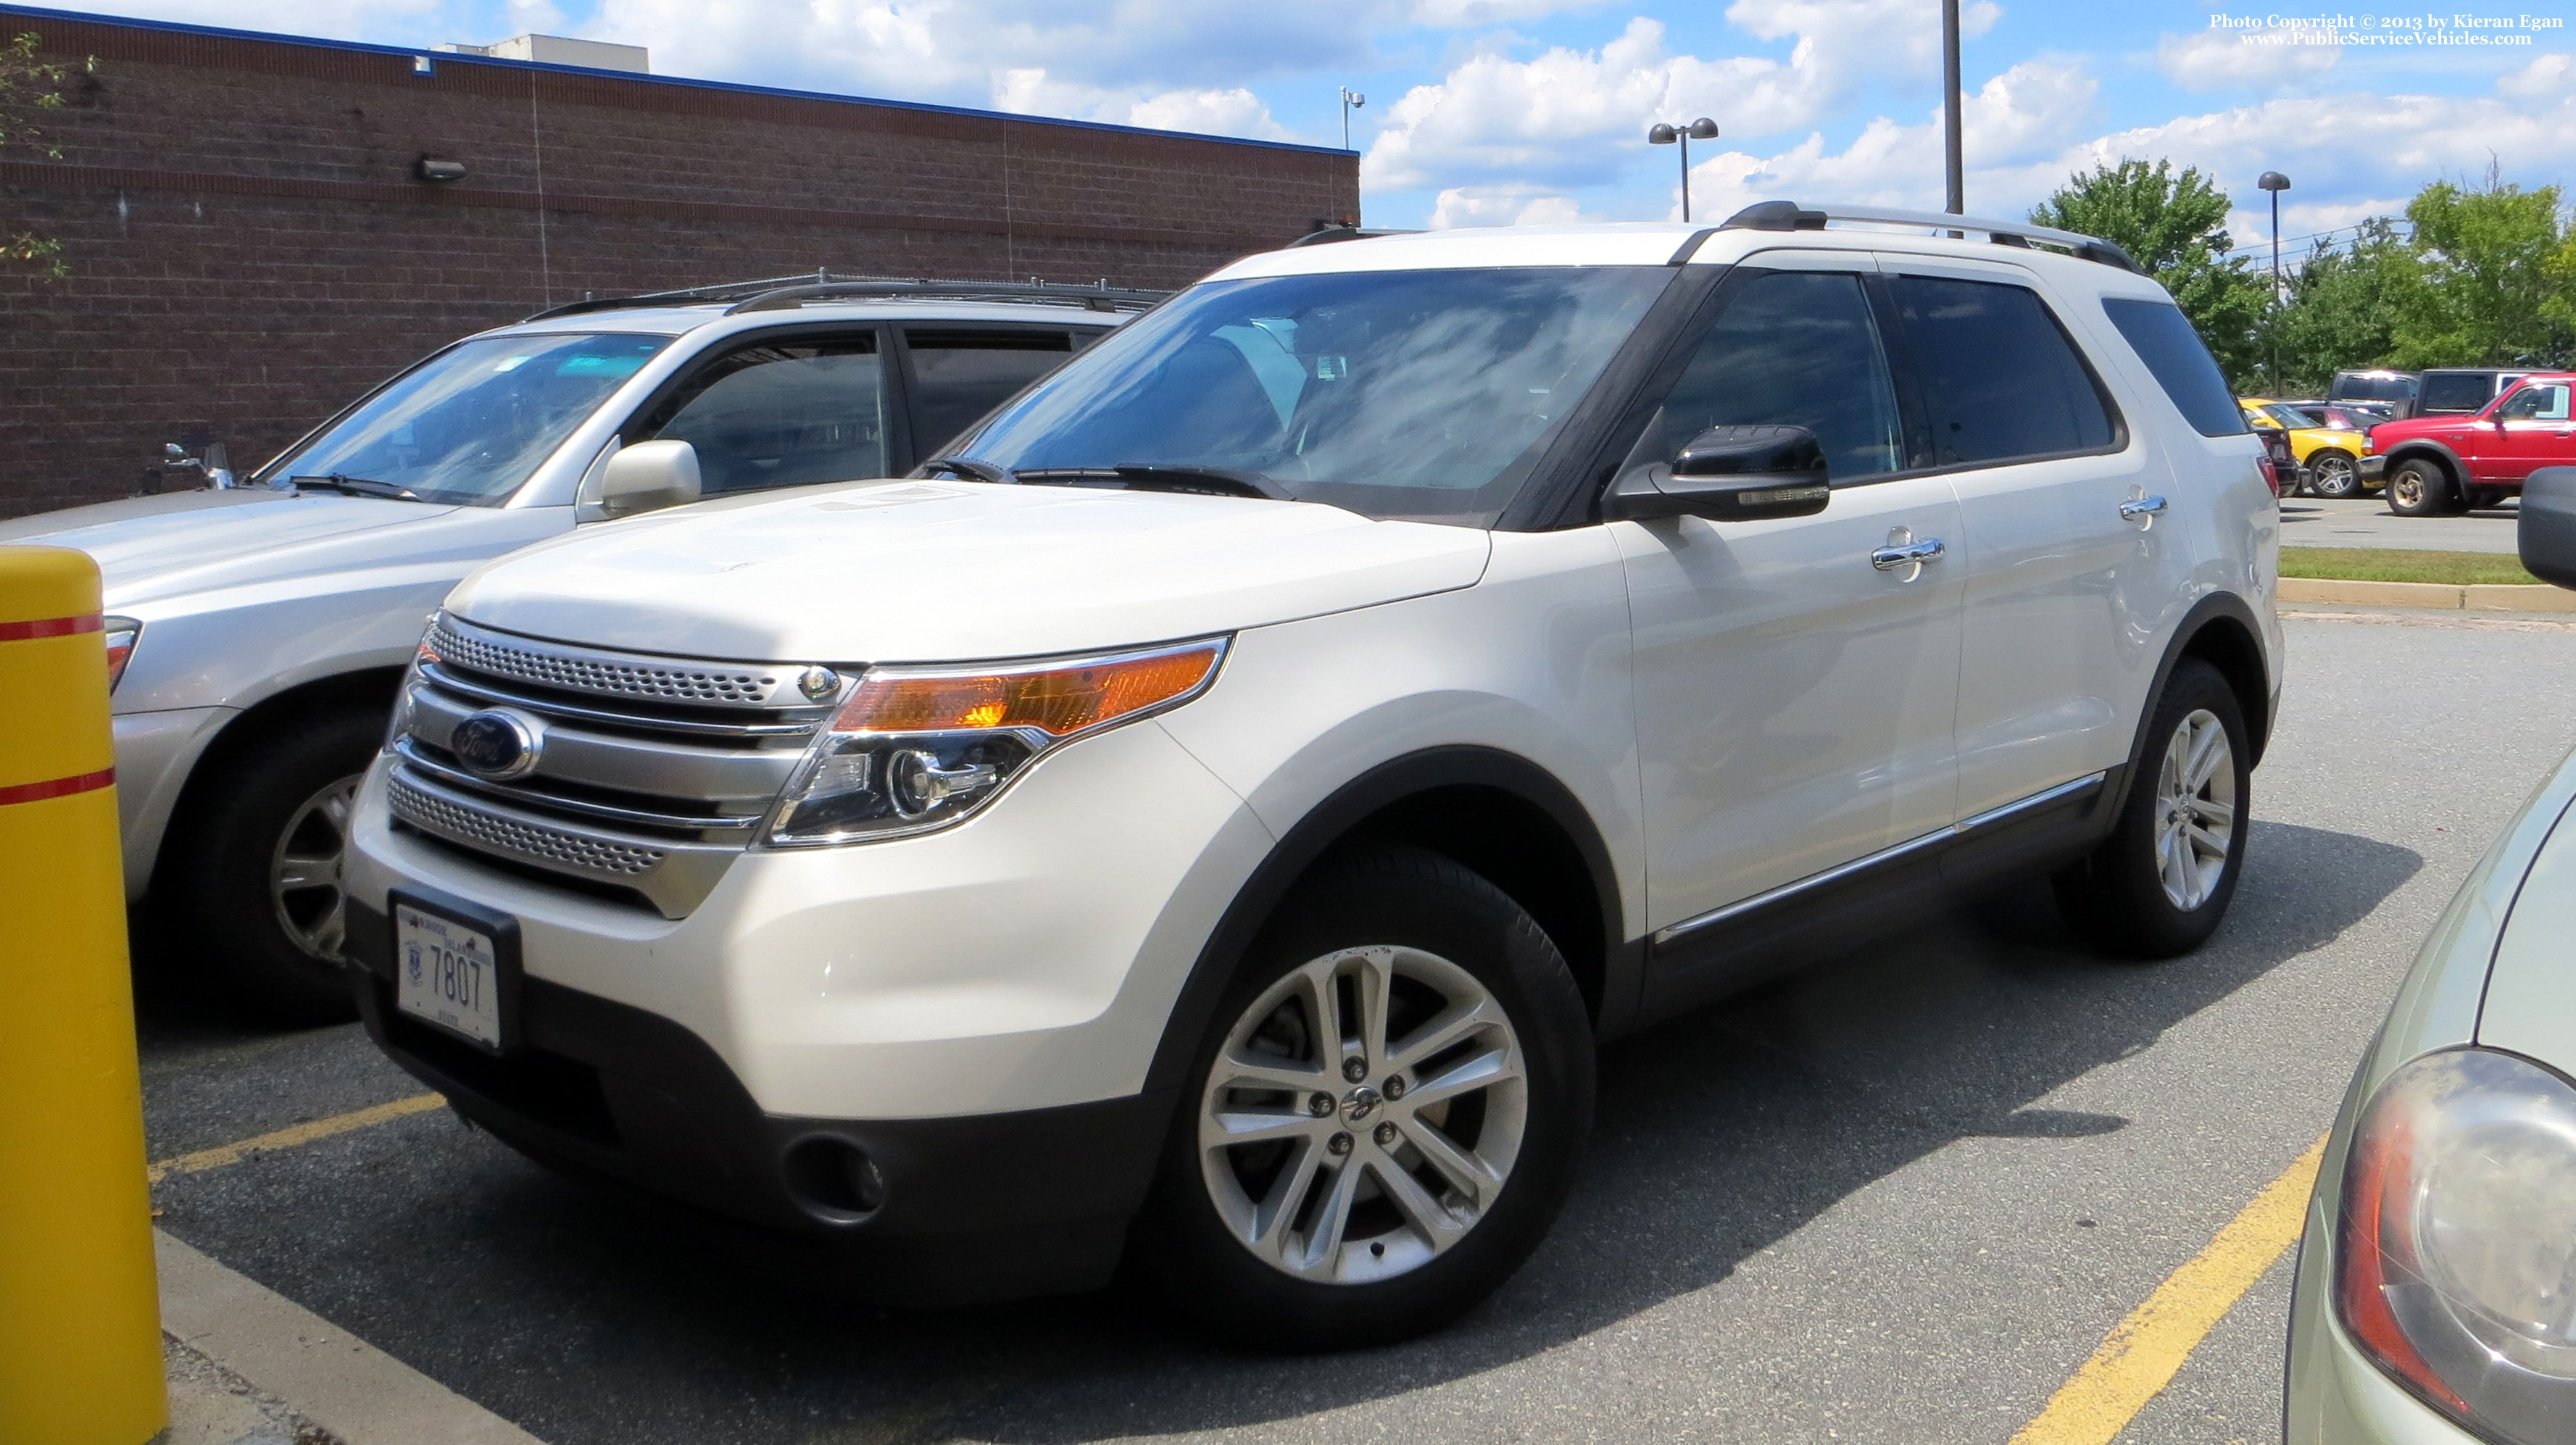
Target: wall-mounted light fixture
431,168
423,65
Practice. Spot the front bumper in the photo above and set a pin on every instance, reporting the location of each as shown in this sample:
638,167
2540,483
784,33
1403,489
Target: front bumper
973,1010
2374,468
969,1207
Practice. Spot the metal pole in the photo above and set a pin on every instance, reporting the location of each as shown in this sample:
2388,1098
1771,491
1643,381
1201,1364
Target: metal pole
2276,291
1957,166
1685,140
80,1314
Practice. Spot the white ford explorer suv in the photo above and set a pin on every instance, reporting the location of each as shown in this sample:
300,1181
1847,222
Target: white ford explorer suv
1212,814
261,627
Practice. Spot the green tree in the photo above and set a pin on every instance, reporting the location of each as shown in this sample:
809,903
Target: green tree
2344,304
2494,290
2175,225
29,89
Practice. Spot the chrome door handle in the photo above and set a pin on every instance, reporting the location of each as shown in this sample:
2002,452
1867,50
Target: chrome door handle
1888,559
2137,507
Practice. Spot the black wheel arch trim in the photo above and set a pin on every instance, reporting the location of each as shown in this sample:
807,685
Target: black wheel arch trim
1334,820
2407,451
2257,704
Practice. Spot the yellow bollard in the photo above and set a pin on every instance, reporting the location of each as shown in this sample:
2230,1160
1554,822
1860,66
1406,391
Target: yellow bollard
80,1316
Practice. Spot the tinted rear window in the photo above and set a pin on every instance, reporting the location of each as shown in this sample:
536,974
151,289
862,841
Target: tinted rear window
2458,391
2163,338
2003,380
2348,387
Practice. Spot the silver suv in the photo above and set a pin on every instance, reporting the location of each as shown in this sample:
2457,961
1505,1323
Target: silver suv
261,626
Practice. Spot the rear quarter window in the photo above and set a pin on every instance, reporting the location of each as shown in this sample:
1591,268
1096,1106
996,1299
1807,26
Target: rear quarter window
2164,339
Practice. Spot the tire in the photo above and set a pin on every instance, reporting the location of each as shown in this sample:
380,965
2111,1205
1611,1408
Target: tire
1284,1243
2334,474
255,818
2132,898
2418,488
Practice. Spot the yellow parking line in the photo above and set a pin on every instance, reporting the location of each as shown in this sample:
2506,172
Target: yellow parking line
2140,1355
217,1158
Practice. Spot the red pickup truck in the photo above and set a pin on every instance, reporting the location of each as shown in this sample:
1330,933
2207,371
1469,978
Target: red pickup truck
2441,466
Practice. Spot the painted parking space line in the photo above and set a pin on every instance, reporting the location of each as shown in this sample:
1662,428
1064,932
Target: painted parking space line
2141,1354
234,1153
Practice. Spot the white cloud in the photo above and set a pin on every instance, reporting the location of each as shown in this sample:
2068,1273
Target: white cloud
2211,59
1504,205
1570,117
1235,111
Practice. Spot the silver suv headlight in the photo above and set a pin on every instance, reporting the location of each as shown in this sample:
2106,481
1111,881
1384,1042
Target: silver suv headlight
917,748
2455,1265
122,633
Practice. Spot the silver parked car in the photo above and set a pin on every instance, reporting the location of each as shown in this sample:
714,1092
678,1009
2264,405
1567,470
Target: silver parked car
259,626
2436,1295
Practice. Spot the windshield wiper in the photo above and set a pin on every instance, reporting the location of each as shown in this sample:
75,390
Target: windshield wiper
966,467
1209,481
358,486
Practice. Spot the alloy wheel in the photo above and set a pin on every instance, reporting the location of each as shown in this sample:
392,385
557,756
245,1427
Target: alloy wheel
2335,477
2406,489
1363,1115
2195,810
304,871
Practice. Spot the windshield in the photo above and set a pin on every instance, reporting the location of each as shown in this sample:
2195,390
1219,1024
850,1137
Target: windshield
471,423
1401,395
2290,415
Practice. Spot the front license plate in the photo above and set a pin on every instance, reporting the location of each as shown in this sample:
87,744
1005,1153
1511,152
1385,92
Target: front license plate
448,972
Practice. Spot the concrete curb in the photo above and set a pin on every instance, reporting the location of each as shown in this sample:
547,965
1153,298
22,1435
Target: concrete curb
2478,597
359,1393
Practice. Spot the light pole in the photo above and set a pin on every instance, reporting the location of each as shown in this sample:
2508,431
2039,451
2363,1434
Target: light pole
1660,134
1351,101
1954,159
2276,183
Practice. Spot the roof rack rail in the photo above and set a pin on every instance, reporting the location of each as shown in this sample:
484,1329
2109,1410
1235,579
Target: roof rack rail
1100,296
1790,216
1327,235
789,291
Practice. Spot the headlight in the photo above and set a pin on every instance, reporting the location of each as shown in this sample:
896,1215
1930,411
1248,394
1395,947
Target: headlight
2456,1265
121,633
917,748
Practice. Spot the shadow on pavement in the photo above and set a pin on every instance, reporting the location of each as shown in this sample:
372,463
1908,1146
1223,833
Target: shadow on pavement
591,1320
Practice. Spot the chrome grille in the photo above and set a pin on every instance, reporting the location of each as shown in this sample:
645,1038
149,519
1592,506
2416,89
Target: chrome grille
651,773
711,684
528,841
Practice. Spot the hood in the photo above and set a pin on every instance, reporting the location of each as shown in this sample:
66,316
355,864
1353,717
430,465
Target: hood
149,547
940,571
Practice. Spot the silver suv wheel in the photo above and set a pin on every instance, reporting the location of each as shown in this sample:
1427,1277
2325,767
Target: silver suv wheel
2195,809
304,871
1362,1115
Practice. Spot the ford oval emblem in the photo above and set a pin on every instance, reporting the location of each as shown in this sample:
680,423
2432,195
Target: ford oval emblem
498,744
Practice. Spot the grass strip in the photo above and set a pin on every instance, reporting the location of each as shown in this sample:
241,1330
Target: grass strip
2390,564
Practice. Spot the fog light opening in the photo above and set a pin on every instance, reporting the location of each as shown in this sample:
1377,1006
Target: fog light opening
834,1179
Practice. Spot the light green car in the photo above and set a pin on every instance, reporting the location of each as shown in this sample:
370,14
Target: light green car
2436,1295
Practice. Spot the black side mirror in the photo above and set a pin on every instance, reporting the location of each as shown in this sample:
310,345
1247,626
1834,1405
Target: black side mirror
1729,474
2546,533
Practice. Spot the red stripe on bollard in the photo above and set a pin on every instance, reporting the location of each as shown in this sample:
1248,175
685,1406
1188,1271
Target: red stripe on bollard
48,627
57,787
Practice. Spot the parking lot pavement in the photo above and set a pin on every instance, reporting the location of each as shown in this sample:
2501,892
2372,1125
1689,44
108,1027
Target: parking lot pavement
1900,1196
2367,522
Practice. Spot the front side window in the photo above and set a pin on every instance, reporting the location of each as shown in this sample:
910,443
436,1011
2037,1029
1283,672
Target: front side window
1414,395
2540,401
957,376
2003,382
1794,348
781,413
472,423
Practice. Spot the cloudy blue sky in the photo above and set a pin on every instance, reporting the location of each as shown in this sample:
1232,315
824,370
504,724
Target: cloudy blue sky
1494,111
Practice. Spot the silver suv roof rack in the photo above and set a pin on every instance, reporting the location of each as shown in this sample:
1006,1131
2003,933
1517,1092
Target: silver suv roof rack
781,293
1790,216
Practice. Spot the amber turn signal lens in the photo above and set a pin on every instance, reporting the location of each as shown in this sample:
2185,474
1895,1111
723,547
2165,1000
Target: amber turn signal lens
1059,699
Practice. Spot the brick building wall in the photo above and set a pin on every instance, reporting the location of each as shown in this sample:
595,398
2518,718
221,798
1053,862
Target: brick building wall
249,246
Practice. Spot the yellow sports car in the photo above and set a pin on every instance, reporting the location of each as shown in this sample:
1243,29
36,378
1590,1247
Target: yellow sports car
2332,455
